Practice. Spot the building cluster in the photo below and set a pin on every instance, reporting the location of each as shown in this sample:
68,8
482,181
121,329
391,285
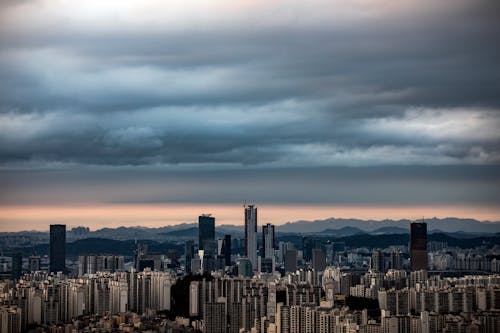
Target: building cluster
216,254
269,287
47,299
294,303
91,264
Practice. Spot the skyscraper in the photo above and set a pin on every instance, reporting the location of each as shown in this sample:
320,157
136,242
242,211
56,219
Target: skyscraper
57,248
318,260
17,265
377,260
251,234
418,246
291,260
268,241
226,250
206,231
188,254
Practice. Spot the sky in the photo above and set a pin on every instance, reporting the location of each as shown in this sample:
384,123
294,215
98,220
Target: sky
152,112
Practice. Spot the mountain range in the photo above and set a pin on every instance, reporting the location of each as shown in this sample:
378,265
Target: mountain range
459,228
447,225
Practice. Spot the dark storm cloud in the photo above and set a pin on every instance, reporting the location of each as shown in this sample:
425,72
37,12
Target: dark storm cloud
400,86
393,185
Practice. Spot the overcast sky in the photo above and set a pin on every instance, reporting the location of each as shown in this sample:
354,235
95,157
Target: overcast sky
362,103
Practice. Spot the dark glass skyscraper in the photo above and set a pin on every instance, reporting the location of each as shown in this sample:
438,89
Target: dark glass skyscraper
188,254
17,265
206,234
268,243
418,246
226,250
57,248
291,260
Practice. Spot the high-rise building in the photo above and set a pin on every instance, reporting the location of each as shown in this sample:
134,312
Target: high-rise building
251,234
395,261
318,260
206,234
377,261
268,241
226,250
418,246
215,317
34,263
10,319
17,265
308,244
188,254
291,260
57,248
193,298
91,264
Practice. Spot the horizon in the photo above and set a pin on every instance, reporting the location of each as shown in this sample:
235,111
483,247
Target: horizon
227,215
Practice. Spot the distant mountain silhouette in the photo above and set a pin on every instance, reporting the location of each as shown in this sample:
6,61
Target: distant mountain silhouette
343,232
450,224
337,227
390,230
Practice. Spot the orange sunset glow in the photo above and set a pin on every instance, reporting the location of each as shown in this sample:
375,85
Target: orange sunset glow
18,218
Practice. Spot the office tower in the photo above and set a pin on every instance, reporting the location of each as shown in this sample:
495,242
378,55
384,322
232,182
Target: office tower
318,260
34,263
308,244
251,234
377,262
188,254
17,266
268,241
57,248
226,250
291,260
206,234
418,246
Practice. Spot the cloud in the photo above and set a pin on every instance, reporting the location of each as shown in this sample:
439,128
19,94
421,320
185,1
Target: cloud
383,185
260,83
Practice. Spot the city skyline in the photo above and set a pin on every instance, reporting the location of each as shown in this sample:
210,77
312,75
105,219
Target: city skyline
358,109
250,166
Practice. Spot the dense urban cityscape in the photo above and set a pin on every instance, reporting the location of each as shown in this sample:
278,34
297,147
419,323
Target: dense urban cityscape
263,282
250,166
